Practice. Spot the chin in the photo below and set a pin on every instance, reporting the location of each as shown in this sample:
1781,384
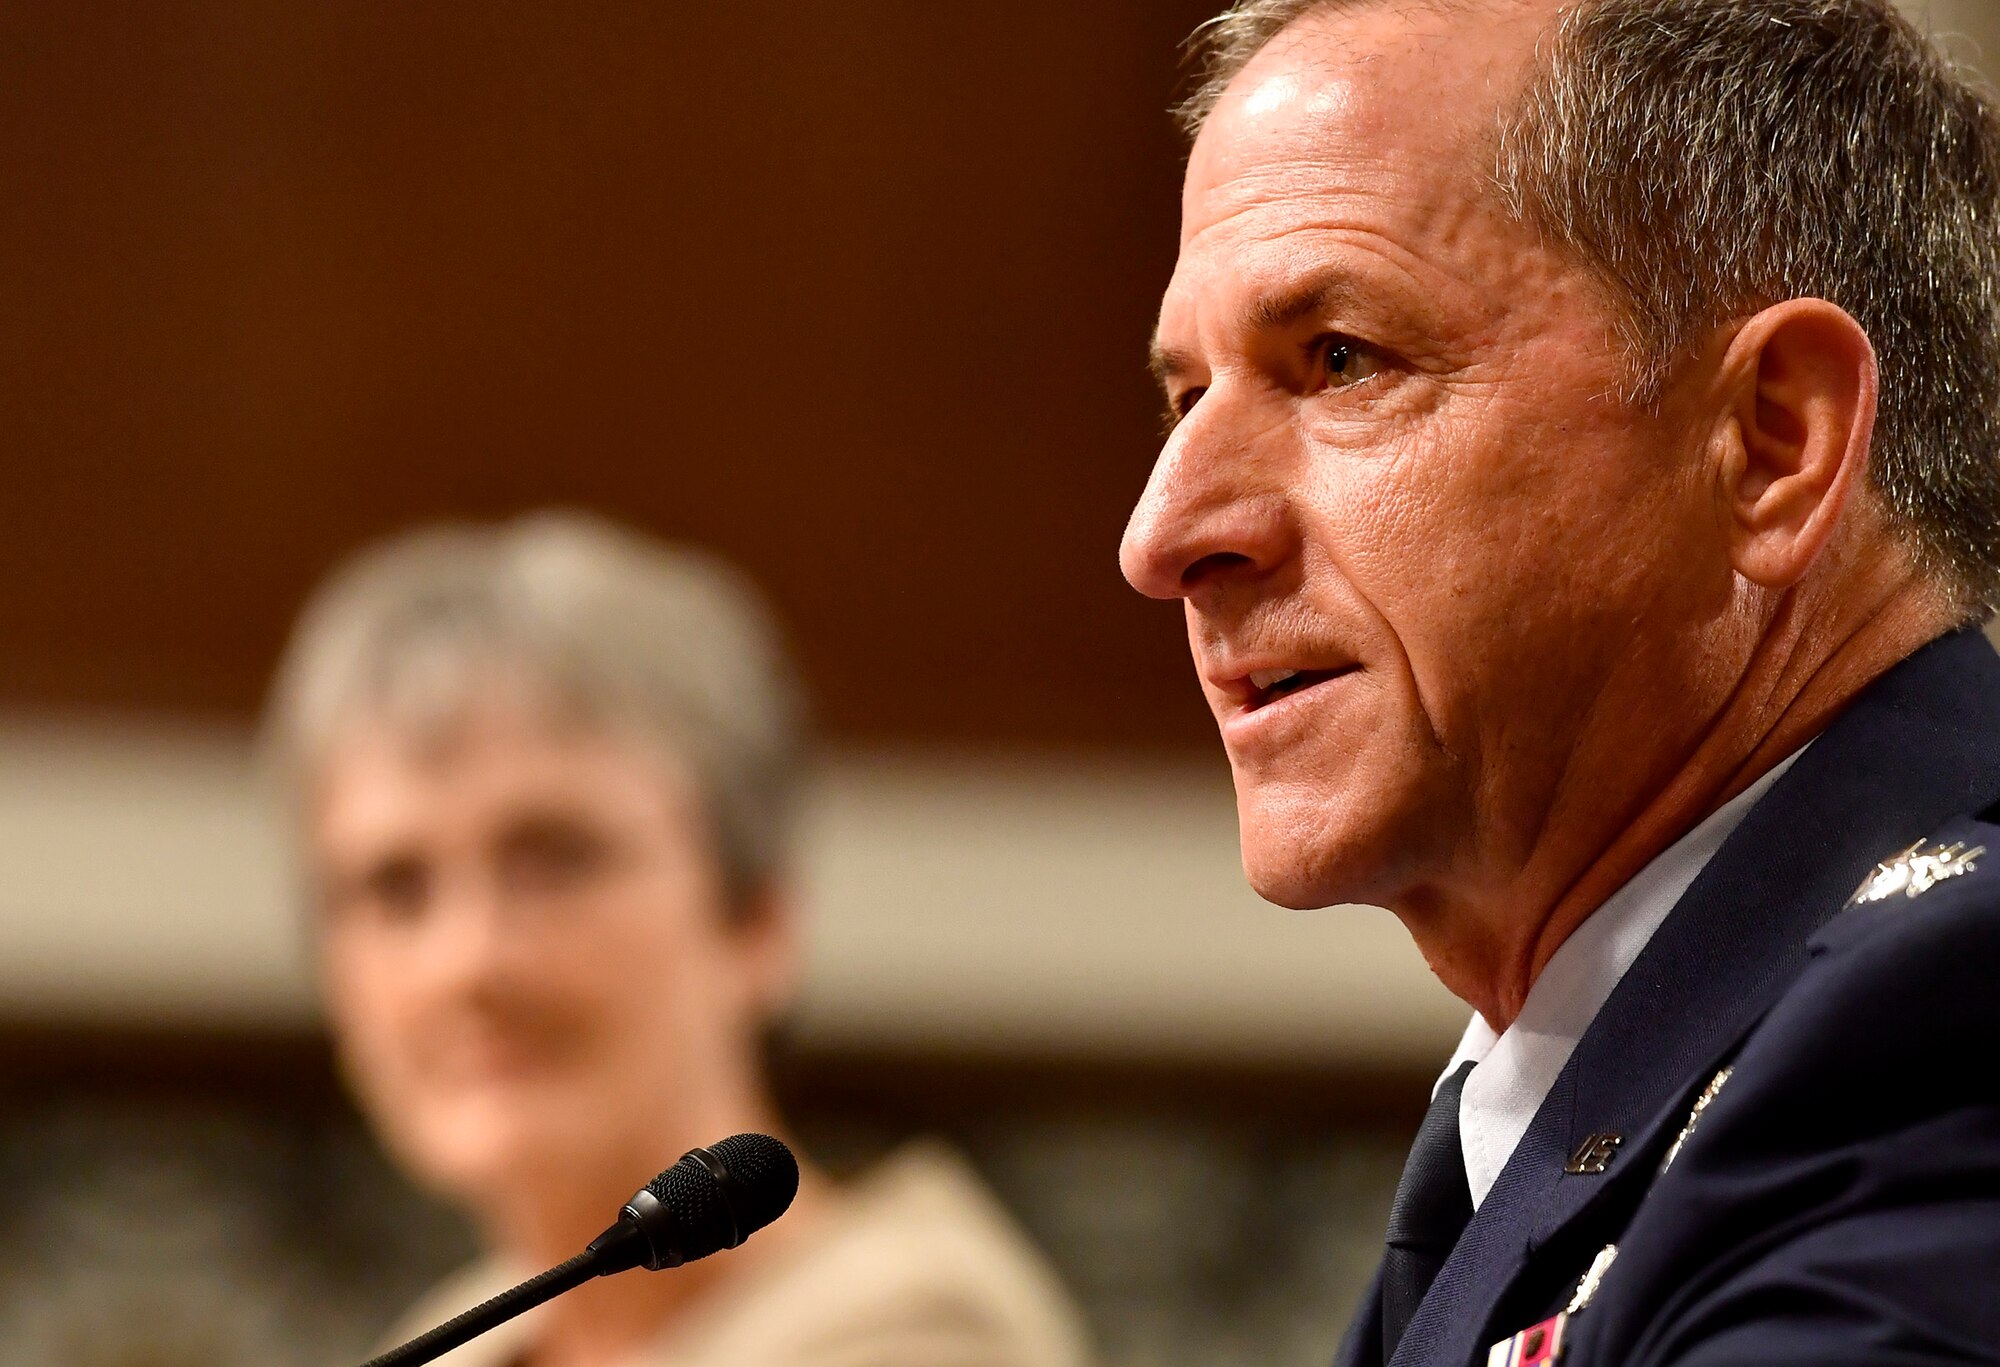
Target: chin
466,1150
1306,850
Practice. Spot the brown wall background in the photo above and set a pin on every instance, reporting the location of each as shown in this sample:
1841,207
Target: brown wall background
856,293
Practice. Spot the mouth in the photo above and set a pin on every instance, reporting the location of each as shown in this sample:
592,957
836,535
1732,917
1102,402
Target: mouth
488,1051
1263,687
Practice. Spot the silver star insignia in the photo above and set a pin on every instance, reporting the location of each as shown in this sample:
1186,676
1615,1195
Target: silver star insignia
1701,1103
1586,1290
1916,870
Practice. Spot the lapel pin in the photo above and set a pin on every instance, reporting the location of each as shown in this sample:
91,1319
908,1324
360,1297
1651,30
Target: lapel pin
1916,870
1593,1156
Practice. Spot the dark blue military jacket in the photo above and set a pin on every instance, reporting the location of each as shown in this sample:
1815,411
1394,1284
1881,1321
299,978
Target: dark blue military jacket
1838,1200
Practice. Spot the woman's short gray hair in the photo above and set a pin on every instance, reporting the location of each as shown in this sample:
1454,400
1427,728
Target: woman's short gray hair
612,628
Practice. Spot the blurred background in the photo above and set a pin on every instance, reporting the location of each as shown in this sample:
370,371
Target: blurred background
856,295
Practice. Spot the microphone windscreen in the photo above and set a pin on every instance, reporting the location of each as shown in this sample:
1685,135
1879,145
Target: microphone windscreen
717,1197
767,1177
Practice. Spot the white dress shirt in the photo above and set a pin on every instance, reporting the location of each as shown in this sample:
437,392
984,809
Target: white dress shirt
1517,1067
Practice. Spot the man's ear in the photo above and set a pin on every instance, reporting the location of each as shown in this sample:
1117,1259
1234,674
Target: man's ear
1801,381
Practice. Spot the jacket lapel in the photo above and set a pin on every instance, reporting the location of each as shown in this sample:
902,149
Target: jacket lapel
1917,747
1361,1346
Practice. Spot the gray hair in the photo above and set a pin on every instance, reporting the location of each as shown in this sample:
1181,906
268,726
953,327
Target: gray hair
1709,158
612,628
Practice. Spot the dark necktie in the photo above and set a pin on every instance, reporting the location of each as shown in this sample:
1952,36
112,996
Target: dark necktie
1433,1206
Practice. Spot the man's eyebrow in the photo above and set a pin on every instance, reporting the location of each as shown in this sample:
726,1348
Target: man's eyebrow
1276,312
1166,362
1272,313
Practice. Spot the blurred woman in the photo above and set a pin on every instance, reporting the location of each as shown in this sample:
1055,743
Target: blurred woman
544,777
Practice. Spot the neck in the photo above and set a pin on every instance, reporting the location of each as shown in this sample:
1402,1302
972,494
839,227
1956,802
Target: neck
1800,669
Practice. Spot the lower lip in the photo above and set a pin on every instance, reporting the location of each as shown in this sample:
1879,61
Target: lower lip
1256,722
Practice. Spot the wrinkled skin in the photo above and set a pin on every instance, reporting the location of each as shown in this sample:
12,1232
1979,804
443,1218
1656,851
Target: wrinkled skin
1545,630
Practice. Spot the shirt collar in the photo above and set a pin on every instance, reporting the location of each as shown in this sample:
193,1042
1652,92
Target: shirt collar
1518,1066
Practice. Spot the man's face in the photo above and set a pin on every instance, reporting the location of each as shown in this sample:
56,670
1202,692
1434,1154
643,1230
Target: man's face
526,952
1414,529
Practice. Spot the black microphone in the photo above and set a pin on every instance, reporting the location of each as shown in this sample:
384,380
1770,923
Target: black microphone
713,1199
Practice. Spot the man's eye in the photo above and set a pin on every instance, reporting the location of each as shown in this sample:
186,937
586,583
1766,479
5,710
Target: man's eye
1341,361
1181,404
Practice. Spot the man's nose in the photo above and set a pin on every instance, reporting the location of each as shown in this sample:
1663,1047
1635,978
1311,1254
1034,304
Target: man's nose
1209,515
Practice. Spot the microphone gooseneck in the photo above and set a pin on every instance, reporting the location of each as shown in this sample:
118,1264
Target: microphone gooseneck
713,1198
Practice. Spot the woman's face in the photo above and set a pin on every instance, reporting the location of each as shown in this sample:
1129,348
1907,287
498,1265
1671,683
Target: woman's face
527,957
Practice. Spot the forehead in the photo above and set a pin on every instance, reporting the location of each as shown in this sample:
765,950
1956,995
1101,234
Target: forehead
380,779
1371,129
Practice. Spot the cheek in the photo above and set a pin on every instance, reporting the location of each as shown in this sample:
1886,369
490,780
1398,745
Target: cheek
659,963
1489,536
1393,554
370,1008
356,983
